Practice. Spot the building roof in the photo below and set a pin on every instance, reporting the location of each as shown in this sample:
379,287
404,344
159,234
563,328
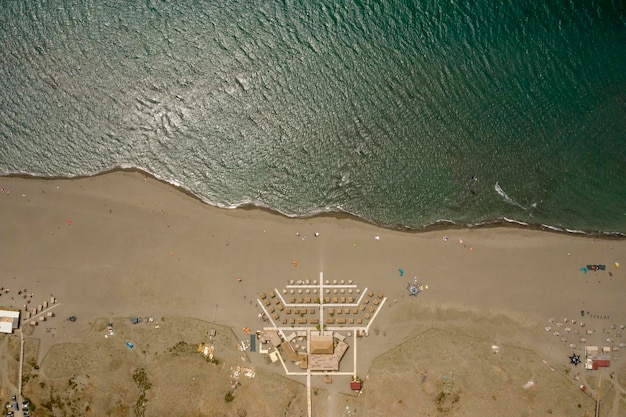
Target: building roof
321,344
325,362
355,385
9,320
271,336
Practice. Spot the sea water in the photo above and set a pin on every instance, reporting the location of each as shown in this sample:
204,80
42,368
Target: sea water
404,113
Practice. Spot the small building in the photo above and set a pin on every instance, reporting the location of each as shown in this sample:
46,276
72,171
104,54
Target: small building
600,363
596,357
270,336
355,385
9,320
321,344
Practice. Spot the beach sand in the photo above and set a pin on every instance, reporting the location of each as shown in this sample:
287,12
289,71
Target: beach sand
123,244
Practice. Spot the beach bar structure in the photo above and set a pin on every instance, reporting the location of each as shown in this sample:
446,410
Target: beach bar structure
308,323
597,358
9,319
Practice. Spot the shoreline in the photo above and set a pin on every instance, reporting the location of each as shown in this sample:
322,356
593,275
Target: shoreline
442,225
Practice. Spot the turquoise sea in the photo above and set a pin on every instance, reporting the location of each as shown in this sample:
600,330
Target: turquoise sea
404,113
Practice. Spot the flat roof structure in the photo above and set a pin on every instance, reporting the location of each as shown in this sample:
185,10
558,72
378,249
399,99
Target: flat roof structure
9,320
271,336
326,362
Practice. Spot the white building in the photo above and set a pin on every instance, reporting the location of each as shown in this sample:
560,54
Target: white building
9,320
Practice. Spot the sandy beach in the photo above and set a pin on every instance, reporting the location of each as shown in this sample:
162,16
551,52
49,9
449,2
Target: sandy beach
124,244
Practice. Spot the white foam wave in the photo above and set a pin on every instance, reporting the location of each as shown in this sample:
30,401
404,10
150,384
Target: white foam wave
509,200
